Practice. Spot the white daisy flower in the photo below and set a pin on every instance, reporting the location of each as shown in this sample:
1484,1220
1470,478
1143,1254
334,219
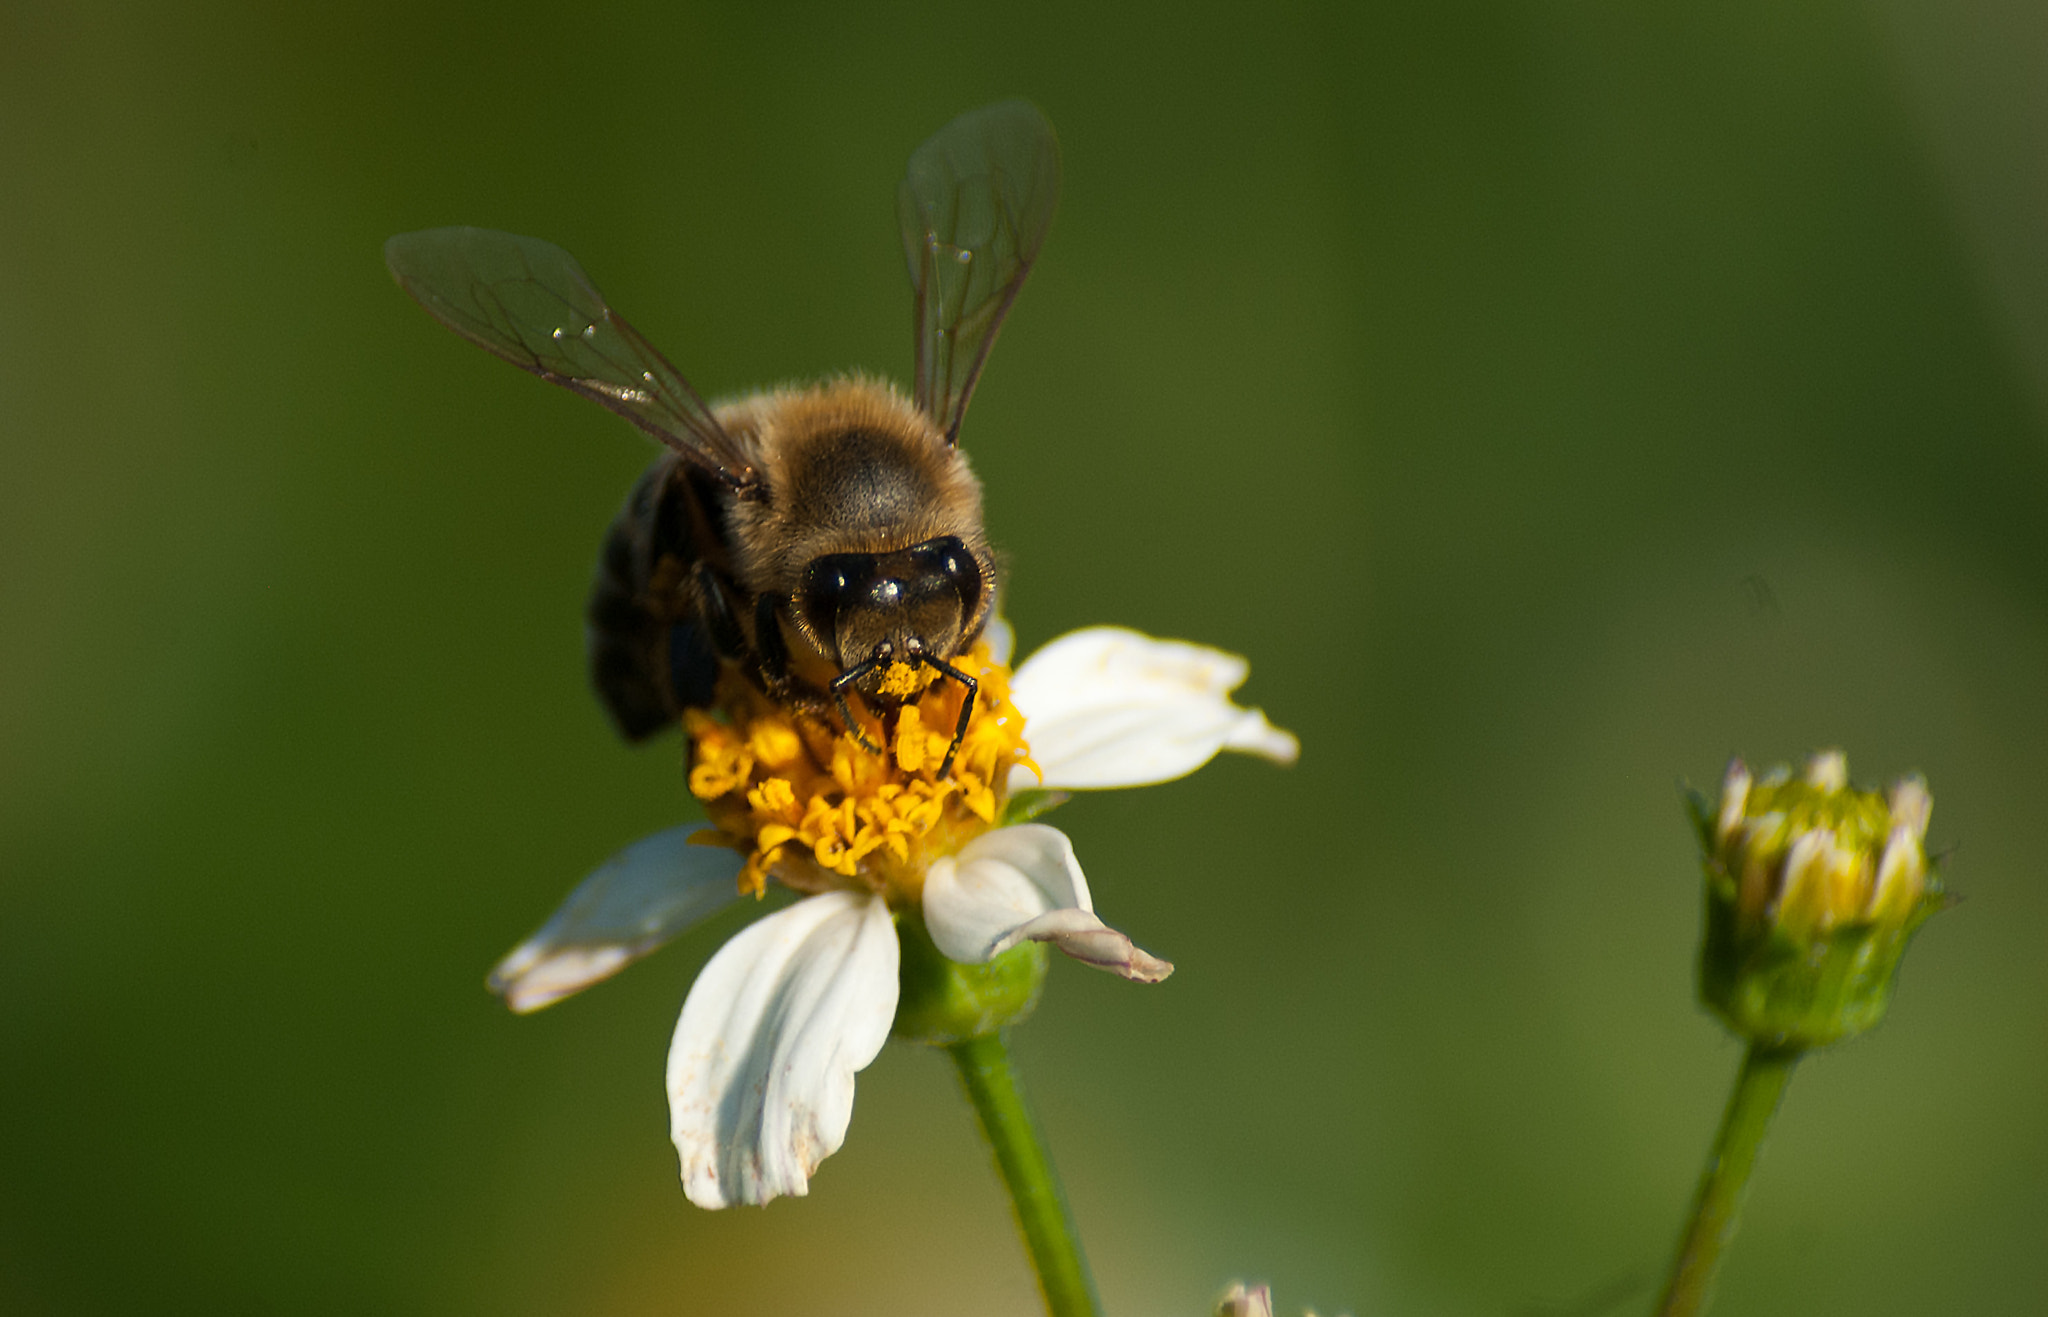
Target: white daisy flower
761,1069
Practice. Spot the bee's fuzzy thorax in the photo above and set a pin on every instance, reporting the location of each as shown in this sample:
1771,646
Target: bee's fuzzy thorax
848,465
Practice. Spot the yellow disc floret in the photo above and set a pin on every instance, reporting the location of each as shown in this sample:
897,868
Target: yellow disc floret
901,679
814,808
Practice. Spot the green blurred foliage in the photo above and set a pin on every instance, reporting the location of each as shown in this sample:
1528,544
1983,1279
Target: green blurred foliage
1552,400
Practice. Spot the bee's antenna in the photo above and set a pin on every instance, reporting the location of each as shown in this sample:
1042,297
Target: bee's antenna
966,707
838,688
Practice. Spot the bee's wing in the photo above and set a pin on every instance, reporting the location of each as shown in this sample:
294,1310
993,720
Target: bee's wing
975,205
529,302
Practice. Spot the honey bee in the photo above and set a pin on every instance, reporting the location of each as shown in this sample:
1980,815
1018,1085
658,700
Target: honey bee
823,539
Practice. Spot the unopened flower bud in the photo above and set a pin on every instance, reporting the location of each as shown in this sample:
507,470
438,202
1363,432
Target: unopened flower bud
1242,1301
1813,889
1237,1301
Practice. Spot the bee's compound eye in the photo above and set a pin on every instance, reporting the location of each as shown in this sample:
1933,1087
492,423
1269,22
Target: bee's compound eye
832,583
837,575
947,558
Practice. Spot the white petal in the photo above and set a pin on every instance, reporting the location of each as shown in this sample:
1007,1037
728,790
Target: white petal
1828,770
1023,883
1911,804
1734,799
999,881
637,900
1901,875
760,1075
1108,707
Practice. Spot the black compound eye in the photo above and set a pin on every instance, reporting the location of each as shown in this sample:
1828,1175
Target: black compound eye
838,574
832,583
948,558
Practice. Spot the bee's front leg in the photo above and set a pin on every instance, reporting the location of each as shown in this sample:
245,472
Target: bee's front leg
714,605
771,651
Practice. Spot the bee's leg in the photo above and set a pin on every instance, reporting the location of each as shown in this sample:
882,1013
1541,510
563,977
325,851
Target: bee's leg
727,640
772,650
692,666
839,687
966,708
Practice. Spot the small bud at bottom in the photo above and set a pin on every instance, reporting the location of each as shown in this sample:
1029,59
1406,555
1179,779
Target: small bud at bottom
1237,1301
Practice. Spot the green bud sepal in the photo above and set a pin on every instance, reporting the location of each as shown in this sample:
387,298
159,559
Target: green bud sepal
1783,991
942,1003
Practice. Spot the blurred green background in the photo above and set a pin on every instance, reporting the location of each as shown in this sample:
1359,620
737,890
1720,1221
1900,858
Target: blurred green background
1551,399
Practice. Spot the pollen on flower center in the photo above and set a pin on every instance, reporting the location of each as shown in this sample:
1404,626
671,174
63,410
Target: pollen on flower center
816,809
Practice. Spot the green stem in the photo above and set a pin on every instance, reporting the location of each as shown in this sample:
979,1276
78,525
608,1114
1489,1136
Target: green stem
1034,1186
1715,1212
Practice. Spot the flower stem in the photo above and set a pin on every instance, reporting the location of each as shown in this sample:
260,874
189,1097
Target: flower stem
1027,1171
1758,1086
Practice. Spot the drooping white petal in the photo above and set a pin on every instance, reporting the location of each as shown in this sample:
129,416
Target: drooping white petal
1020,883
760,1074
1109,707
1082,935
637,900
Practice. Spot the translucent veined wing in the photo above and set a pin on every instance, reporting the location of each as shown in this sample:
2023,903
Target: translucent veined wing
636,901
529,302
975,205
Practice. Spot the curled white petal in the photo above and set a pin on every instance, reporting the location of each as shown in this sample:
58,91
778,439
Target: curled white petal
760,1075
1109,707
634,902
1023,883
1082,935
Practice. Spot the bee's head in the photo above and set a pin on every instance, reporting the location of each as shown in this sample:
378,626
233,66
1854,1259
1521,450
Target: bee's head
875,611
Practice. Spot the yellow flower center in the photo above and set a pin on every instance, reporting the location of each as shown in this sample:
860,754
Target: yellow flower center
814,808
